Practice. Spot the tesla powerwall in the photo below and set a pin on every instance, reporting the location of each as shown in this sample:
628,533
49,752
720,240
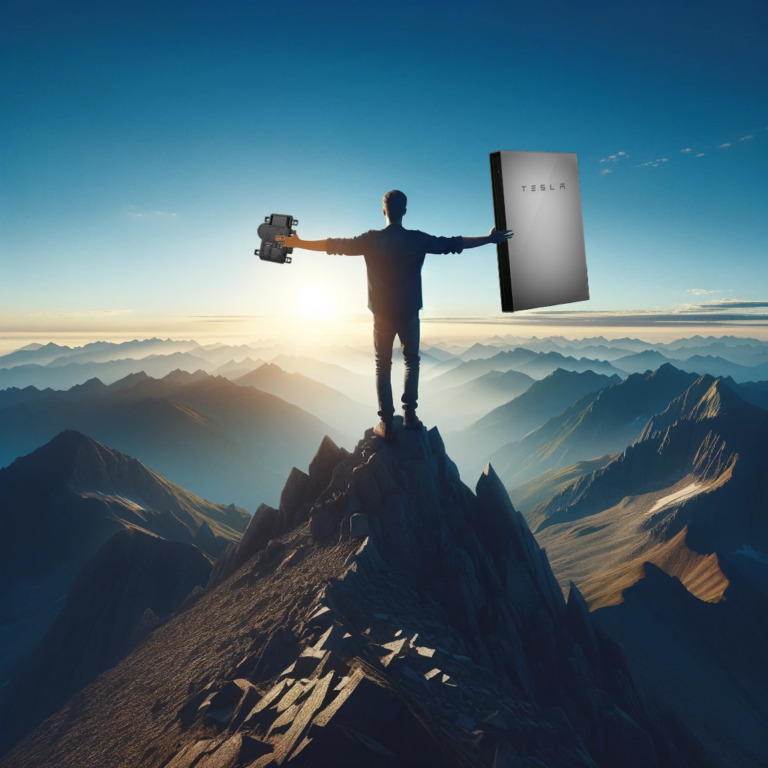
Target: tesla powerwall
536,195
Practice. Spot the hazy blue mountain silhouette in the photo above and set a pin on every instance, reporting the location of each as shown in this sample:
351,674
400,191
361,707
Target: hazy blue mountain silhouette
206,433
511,421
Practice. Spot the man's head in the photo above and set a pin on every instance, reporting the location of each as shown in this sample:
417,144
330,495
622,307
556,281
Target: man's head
394,205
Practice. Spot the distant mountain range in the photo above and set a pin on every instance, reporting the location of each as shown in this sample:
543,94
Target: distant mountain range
695,468
457,407
534,364
528,411
602,422
64,375
60,503
220,440
348,416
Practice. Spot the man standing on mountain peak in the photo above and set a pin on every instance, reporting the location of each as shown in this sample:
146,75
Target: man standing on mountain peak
394,257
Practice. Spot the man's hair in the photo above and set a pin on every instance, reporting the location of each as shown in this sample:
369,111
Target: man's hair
394,203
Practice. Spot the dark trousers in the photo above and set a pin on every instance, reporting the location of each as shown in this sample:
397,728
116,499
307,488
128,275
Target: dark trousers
384,332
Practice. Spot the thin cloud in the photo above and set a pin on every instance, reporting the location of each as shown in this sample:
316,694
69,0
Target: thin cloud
605,171
746,138
614,158
725,146
135,213
701,291
701,154
686,150
734,304
83,313
688,315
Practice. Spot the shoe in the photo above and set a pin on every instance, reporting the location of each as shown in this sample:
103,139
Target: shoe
411,420
385,430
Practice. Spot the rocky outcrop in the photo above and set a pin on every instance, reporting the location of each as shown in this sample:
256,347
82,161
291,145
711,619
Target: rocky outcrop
403,620
445,632
296,499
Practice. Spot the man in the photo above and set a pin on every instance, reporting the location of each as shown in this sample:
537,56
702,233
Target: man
394,257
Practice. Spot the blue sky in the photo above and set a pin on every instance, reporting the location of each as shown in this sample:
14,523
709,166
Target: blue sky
142,143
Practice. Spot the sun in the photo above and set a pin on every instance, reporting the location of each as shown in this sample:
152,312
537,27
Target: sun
316,302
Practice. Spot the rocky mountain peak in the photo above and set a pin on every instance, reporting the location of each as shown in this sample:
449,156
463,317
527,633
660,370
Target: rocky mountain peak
445,594
705,399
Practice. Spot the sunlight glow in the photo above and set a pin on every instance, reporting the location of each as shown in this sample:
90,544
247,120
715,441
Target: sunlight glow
315,302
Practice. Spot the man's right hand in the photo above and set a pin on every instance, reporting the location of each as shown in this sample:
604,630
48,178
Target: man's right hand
499,235
294,241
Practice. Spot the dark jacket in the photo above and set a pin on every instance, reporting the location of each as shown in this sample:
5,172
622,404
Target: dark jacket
394,257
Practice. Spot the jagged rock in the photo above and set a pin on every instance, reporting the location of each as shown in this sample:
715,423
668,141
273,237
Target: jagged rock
190,709
219,708
582,625
327,458
206,539
321,522
303,717
256,537
148,622
294,557
245,707
225,565
193,597
304,666
237,750
260,714
276,654
297,490
189,756
358,526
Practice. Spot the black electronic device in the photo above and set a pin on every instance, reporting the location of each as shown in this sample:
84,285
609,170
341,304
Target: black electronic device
271,250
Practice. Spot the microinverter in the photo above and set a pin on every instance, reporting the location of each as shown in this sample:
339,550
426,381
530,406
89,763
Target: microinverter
537,195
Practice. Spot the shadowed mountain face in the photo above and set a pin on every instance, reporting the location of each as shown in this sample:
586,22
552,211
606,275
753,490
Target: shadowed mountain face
705,660
206,433
394,618
546,485
59,504
601,423
131,583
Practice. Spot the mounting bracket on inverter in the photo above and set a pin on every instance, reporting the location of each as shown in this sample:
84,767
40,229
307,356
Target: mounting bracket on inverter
271,250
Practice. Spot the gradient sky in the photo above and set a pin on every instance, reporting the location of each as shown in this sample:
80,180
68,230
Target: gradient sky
142,143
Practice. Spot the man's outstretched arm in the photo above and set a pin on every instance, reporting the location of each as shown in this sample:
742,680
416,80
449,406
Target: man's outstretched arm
495,236
294,241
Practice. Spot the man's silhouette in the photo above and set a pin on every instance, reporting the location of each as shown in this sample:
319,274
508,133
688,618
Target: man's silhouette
394,257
